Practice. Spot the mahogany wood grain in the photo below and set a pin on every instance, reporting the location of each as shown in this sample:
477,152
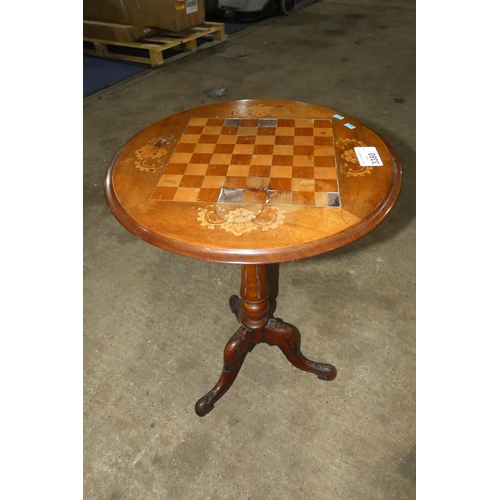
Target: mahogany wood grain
366,195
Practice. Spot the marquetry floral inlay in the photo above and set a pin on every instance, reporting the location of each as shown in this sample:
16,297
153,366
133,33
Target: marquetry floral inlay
350,167
241,220
149,158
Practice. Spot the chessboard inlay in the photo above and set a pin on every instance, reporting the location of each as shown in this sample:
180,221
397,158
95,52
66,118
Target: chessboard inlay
273,161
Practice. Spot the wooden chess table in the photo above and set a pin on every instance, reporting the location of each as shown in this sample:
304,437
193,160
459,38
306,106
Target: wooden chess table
255,183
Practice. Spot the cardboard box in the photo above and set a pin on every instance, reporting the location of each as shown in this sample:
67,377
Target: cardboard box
116,32
106,10
171,15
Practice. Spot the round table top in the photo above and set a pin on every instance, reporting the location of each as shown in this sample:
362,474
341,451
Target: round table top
253,181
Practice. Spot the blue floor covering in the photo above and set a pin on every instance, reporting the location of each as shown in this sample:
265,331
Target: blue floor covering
100,73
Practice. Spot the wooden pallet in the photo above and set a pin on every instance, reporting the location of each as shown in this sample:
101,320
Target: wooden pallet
150,50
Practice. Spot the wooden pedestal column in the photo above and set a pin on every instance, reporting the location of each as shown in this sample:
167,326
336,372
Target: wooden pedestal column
252,310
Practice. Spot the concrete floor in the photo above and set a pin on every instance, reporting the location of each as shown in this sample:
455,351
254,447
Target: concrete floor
155,323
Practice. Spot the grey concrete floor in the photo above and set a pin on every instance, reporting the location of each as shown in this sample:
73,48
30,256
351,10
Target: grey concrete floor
155,323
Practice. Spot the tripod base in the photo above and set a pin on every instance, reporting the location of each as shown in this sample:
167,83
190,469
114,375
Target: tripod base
252,310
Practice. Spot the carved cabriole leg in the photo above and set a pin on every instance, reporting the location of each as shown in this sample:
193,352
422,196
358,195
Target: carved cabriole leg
288,340
252,311
236,349
235,306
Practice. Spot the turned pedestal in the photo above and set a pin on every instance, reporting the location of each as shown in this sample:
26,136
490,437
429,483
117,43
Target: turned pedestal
257,325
